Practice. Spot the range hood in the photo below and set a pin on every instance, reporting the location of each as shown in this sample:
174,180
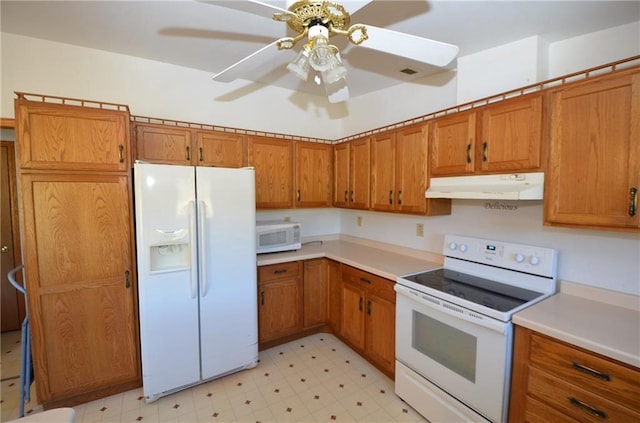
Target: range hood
514,186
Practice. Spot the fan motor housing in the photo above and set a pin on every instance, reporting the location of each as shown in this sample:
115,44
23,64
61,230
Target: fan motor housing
331,15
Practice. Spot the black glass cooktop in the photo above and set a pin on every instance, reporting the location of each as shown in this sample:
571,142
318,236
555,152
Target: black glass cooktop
491,294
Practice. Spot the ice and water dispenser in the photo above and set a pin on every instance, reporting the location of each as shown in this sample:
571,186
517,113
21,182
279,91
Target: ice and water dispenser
169,250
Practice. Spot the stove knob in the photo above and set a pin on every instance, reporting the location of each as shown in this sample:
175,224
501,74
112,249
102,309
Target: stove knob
453,246
519,258
463,248
534,260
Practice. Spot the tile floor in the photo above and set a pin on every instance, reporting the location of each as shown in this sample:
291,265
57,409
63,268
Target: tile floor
314,379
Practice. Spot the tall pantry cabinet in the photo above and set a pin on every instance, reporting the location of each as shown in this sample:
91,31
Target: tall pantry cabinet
74,165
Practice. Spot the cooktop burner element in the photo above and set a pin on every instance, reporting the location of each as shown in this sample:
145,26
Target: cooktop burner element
491,294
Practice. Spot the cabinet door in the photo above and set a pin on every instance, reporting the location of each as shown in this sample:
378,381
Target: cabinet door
512,136
453,144
61,137
315,292
81,283
411,170
280,311
335,295
314,176
381,330
353,315
360,174
163,144
594,163
273,163
341,174
219,149
383,160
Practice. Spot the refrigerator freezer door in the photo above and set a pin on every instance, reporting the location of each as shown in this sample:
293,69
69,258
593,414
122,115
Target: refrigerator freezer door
228,291
167,285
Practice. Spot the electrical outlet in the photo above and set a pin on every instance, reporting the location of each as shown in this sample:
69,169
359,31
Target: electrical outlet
359,220
420,229
287,218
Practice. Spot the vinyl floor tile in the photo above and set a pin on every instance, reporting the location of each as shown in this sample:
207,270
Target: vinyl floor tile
313,379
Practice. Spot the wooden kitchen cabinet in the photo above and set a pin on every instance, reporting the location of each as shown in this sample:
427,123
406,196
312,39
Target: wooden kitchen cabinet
78,243
593,174
313,176
219,149
368,317
352,173
399,173
177,145
315,292
556,381
163,144
502,137
272,159
280,311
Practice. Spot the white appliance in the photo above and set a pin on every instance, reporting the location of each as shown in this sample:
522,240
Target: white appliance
453,327
197,283
275,235
513,186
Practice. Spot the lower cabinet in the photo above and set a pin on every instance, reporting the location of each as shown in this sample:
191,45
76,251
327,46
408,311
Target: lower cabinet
368,317
556,381
279,300
302,297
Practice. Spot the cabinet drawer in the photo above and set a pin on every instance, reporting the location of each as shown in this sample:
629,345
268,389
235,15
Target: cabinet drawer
538,412
372,283
591,372
576,402
278,271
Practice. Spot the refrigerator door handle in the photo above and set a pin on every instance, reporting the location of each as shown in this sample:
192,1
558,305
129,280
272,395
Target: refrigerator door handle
202,244
194,257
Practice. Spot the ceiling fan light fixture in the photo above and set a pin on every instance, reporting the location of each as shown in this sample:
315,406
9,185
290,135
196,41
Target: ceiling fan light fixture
335,72
300,65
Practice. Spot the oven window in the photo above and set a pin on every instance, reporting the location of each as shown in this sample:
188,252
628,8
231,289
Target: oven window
451,347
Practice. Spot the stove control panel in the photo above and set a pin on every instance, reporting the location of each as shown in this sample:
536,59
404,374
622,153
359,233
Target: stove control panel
524,258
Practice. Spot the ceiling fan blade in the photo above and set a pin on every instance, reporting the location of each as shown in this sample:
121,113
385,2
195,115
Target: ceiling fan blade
406,45
245,66
250,6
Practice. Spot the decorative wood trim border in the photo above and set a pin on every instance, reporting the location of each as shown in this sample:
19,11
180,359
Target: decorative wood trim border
8,123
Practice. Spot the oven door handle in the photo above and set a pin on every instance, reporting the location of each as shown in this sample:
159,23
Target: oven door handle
452,309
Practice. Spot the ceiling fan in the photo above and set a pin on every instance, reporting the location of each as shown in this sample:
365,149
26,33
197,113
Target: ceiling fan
316,21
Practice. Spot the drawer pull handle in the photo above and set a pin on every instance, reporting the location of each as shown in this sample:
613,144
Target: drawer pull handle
369,308
588,408
279,271
121,153
591,372
365,280
360,304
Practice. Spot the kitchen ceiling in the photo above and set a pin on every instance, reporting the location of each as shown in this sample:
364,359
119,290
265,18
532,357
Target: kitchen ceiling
207,37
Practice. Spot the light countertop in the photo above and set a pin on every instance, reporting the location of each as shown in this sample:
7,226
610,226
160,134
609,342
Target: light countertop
380,259
604,328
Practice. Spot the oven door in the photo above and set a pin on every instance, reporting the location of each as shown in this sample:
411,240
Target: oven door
465,354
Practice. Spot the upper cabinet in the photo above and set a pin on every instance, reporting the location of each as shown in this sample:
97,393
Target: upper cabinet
186,146
219,149
399,173
500,137
352,173
593,174
314,176
65,137
272,159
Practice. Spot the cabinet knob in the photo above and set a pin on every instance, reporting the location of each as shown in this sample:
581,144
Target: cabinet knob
5,249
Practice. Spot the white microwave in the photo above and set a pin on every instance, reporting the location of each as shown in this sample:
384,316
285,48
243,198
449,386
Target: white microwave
275,235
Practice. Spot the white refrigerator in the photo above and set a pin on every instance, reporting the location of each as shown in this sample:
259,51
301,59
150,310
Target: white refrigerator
197,289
